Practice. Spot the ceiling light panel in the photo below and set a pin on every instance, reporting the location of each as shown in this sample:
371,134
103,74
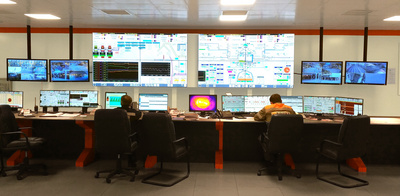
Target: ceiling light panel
7,2
237,2
393,18
43,16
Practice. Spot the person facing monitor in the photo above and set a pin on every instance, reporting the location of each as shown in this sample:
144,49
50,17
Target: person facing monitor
126,102
276,107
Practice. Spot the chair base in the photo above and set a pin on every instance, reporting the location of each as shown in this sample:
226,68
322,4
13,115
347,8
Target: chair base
118,170
25,169
147,180
279,165
362,182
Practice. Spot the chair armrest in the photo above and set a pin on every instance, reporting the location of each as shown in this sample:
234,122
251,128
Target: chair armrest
180,140
264,137
330,143
20,128
131,136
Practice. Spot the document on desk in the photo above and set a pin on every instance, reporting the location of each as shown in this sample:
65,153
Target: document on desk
69,115
51,115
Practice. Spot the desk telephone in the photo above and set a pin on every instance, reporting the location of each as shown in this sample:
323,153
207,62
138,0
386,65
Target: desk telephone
224,114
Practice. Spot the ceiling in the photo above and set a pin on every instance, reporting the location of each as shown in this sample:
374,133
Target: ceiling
204,14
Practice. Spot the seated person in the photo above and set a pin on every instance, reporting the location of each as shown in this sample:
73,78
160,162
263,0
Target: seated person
276,107
126,102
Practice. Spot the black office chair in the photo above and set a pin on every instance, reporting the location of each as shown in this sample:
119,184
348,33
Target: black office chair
10,141
351,143
157,138
282,136
114,137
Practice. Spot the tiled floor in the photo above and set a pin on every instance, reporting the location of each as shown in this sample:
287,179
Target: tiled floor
236,179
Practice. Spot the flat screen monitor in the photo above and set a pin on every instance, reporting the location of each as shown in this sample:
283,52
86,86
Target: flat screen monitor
54,98
12,98
319,105
246,61
87,99
148,60
256,103
321,72
153,102
296,102
202,103
26,69
69,70
234,103
113,99
349,106
358,72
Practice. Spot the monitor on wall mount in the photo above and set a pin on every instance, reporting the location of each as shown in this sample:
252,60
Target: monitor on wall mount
69,70
359,72
26,69
321,72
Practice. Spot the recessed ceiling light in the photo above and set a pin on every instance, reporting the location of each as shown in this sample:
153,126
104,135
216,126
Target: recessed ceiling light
237,2
7,2
43,16
116,12
393,18
233,16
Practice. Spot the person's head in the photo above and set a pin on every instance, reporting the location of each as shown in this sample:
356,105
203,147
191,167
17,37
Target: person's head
126,100
275,98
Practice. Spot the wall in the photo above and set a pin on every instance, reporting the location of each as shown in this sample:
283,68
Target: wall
379,100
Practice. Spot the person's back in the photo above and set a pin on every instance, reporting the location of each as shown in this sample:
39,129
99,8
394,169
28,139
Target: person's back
276,107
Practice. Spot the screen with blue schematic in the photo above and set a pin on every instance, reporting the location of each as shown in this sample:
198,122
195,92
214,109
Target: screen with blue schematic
255,61
296,102
129,59
244,103
83,98
113,99
54,98
319,105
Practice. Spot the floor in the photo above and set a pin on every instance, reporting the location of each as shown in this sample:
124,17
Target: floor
236,179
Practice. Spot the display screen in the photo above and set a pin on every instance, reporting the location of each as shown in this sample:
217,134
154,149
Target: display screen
128,59
255,61
113,99
54,98
27,69
234,103
12,98
153,102
349,106
319,105
202,103
296,102
83,99
318,72
69,70
366,72
256,103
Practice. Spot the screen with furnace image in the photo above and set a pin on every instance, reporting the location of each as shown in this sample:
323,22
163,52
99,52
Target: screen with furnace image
254,61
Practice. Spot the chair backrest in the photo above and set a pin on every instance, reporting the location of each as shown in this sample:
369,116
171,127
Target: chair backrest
112,129
284,132
7,124
353,136
157,134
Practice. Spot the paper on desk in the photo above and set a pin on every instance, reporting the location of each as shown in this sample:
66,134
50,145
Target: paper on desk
69,115
52,115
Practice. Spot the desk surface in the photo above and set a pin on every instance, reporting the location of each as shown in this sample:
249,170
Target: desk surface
89,117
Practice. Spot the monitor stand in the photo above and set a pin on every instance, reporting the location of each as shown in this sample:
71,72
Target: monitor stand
203,114
44,109
84,110
55,109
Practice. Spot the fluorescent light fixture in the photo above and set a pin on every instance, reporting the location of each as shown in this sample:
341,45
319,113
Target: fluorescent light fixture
393,18
237,2
7,2
233,16
229,94
43,16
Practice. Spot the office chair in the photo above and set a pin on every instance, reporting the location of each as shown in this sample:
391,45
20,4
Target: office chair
113,137
351,143
10,141
282,136
157,138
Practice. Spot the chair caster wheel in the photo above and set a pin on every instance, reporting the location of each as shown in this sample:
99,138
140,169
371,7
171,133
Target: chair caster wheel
132,179
136,172
108,180
280,178
19,177
259,173
96,176
298,176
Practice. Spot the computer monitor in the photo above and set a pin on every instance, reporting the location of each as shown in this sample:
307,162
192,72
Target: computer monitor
319,105
12,98
296,102
321,72
83,98
153,102
113,99
256,103
69,70
349,106
26,69
53,98
358,72
202,103
233,103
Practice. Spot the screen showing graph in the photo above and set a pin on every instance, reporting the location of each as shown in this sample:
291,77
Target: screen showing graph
113,99
129,59
255,61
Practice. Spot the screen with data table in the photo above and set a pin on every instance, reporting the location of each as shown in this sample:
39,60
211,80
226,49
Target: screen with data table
349,106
